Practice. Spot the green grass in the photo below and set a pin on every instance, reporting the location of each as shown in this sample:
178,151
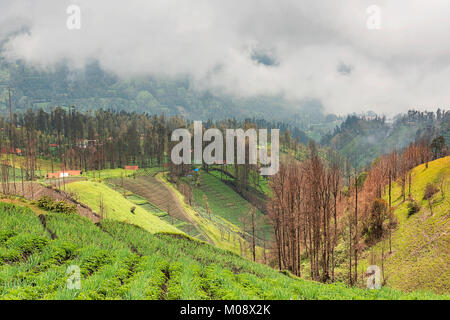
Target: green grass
421,245
105,174
117,207
220,231
228,208
44,165
260,185
100,175
154,209
222,199
144,203
121,261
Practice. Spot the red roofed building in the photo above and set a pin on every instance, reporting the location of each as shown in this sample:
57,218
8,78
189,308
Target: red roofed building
61,174
12,150
131,167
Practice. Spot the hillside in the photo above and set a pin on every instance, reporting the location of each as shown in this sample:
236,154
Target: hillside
120,261
149,192
220,231
222,199
160,207
113,205
376,136
421,245
92,88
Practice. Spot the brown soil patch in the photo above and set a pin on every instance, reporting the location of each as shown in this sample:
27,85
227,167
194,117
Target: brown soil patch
34,191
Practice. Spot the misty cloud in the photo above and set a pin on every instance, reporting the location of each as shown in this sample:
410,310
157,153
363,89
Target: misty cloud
345,69
307,49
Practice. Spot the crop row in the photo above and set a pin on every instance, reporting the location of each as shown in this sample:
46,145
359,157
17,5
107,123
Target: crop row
116,260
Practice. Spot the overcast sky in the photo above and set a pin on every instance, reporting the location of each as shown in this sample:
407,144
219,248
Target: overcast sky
315,49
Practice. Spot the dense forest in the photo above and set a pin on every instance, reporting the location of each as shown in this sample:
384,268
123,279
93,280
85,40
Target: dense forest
363,139
108,139
95,89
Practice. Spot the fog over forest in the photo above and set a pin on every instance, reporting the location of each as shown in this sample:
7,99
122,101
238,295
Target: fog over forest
318,50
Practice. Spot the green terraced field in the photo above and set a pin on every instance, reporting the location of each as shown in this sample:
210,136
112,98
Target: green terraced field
116,206
151,189
116,260
157,192
222,199
226,203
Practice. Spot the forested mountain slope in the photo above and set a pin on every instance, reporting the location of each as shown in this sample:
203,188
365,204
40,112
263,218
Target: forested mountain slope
362,139
93,88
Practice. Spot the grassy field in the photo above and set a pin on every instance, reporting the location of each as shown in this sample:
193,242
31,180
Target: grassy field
44,165
222,199
118,173
115,260
152,195
421,245
116,206
228,209
218,230
162,195
260,185
15,162
100,175
152,190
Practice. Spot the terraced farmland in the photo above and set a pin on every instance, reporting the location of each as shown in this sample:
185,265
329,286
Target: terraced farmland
112,204
226,203
223,200
149,193
149,188
262,186
194,221
115,260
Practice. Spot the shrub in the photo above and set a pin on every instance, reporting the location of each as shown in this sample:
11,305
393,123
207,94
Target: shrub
413,207
9,255
174,290
45,202
62,206
5,235
27,243
430,191
95,262
373,224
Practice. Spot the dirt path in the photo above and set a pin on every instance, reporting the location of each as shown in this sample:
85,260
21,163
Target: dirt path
34,191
